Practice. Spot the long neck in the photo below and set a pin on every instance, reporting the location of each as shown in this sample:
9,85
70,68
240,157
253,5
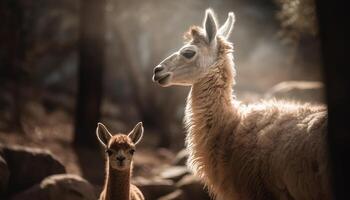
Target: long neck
210,101
117,185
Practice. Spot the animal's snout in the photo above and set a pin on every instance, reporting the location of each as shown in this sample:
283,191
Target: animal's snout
161,75
120,158
158,68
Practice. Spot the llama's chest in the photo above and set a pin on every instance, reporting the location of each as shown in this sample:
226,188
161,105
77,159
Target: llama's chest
207,155
219,160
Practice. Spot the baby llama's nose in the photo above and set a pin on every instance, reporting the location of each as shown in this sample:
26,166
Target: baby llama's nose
120,158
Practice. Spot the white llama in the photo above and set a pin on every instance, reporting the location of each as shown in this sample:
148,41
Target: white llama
270,150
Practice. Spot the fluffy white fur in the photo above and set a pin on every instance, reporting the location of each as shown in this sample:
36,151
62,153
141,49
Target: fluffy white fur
268,150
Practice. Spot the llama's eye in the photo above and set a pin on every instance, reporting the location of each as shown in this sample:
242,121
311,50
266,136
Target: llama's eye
188,54
132,151
109,152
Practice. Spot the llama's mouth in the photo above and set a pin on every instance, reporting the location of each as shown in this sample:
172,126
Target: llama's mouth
161,79
120,165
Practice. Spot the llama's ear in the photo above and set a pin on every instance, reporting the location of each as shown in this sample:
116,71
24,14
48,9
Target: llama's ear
103,135
210,25
226,29
136,133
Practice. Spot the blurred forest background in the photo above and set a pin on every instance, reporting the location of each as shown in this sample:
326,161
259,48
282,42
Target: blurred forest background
64,65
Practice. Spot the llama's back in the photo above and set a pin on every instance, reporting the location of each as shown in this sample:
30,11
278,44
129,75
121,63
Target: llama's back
276,150
102,195
287,149
135,193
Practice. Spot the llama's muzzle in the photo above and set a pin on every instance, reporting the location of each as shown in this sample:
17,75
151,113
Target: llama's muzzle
159,77
158,69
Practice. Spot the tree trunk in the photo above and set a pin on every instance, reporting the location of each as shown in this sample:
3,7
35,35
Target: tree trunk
91,63
12,39
145,98
334,35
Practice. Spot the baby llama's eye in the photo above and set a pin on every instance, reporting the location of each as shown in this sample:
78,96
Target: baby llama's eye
132,151
109,152
188,54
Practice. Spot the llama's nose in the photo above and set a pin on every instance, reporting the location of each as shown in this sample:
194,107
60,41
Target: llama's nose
120,158
158,68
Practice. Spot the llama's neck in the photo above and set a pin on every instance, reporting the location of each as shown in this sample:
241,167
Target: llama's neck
210,110
117,185
210,102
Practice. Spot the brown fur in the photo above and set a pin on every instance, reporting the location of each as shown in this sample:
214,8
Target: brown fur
269,150
117,183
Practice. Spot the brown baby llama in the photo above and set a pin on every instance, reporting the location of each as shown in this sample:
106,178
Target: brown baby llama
269,150
119,149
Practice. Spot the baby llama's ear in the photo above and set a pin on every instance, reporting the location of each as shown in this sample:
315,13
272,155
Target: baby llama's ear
226,29
103,135
210,25
136,133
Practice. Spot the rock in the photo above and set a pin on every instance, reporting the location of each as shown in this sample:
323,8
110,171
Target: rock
59,187
181,157
305,91
29,166
193,188
4,176
165,154
154,188
174,173
176,195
